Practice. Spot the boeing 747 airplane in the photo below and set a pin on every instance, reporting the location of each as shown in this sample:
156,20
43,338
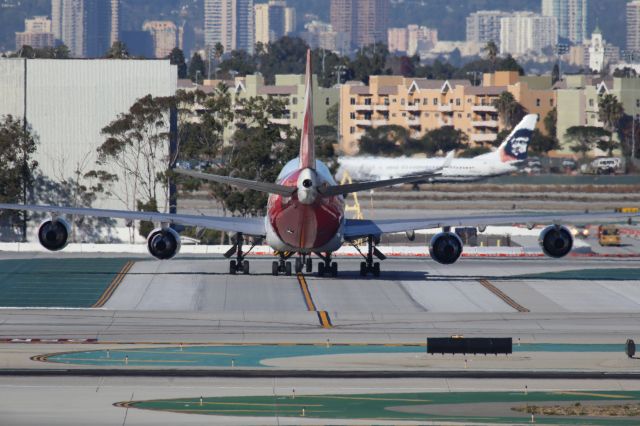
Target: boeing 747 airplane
305,215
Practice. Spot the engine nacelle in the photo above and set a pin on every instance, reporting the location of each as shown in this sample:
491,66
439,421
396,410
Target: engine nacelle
445,248
163,244
556,241
53,234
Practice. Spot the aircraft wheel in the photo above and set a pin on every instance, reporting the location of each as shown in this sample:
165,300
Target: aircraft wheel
321,269
274,268
245,267
376,269
287,268
298,265
233,267
309,265
334,269
363,269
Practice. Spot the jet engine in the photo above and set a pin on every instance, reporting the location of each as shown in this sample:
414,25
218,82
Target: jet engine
556,241
163,244
53,234
445,248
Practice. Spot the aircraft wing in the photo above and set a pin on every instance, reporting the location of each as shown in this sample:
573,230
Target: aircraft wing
356,228
270,188
247,226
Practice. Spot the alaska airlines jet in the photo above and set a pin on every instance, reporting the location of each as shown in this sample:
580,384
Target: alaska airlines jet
305,216
505,160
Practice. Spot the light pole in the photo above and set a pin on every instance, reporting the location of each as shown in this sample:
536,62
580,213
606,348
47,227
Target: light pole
561,49
633,137
339,70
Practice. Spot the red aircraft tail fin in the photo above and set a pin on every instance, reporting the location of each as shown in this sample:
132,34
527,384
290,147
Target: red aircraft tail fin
307,147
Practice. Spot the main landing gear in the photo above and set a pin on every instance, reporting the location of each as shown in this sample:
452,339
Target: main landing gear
303,261
369,266
326,266
282,266
239,264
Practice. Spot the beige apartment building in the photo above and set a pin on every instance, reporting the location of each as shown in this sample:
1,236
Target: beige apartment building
421,105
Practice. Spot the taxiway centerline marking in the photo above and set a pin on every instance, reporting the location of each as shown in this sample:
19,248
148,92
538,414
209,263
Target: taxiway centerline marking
114,285
323,316
506,299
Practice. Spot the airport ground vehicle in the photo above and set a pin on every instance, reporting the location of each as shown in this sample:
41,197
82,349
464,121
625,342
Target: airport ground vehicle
306,215
605,165
609,235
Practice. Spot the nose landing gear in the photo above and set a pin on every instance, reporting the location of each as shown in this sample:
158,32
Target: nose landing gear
283,266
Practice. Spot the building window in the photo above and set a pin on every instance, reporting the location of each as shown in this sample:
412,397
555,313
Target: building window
637,103
386,101
538,102
458,102
353,101
550,102
294,100
367,101
426,114
425,101
469,100
352,115
402,102
417,101
327,101
395,100
590,102
295,115
468,115
404,114
352,130
435,101
437,114
459,115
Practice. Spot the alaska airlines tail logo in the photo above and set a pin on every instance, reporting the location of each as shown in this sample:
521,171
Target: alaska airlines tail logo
516,147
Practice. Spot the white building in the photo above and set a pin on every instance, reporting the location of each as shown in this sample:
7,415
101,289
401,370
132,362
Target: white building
37,33
599,54
69,102
571,16
633,26
165,36
484,26
527,32
271,21
231,23
413,39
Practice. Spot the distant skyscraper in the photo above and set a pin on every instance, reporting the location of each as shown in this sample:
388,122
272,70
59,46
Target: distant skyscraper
229,22
363,22
527,32
270,21
412,40
289,20
37,33
86,27
633,26
484,26
571,16
165,36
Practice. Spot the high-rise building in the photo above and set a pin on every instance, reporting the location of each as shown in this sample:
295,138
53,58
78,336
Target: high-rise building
363,22
165,36
372,21
229,22
633,26
37,33
484,26
527,32
289,20
571,16
270,21
598,54
87,27
412,40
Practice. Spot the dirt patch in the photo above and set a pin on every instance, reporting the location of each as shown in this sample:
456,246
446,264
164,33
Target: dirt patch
582,410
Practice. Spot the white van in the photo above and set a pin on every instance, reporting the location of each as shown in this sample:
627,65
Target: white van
606,165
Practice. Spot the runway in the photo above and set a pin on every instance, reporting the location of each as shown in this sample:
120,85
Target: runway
158,305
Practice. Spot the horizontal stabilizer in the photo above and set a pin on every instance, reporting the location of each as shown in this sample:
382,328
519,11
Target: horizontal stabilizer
363,186
271,188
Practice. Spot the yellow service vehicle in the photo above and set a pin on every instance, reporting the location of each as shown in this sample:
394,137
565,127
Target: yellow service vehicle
609,235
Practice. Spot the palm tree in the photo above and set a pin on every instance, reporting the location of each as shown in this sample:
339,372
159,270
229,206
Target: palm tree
492,53
509,110
610,113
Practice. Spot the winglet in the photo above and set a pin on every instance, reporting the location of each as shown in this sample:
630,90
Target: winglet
307,147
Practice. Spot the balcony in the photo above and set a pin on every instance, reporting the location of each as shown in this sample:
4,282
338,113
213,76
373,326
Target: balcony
485,123
364,107
381,107
413,121
363,122
443,123
380,122
483,137
484,108
445,108
413,107
280,121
